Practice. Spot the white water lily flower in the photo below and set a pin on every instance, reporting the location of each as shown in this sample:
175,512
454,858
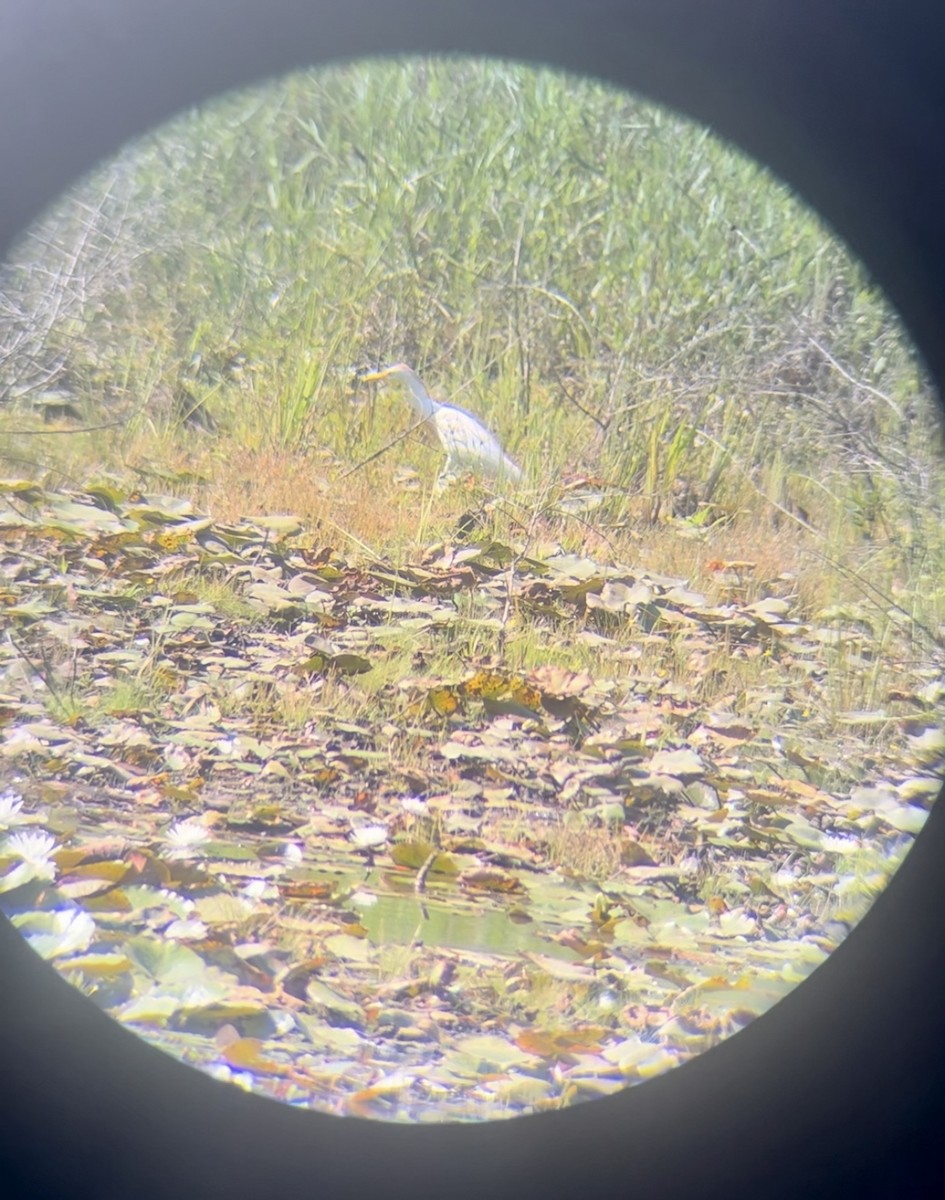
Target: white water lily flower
414,805
187,930
72,931
10,804
838,843
225,1074
201,993
33,847
259,889
368,837
33,850
185,836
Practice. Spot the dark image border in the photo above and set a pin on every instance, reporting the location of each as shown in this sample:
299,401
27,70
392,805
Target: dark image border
838,1090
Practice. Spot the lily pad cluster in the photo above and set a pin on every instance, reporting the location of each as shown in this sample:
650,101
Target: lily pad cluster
265,805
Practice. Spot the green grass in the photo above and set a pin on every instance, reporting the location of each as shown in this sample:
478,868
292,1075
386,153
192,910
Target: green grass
616,292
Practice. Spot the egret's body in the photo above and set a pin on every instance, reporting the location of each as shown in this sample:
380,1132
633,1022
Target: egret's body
469,445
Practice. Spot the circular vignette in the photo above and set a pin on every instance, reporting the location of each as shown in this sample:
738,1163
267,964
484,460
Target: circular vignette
839,1086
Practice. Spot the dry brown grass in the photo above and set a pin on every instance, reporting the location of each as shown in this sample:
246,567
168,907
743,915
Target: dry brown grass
593,852
368,507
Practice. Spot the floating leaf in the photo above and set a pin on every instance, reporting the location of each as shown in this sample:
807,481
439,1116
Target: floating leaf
353,949
681,764
58,934
350,664
165,961
489,879
443,701
246,1054
100,966
558,969
285,526
415,854
223,909
561,1043
488,1052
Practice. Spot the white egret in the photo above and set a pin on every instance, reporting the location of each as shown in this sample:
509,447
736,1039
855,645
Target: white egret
469,445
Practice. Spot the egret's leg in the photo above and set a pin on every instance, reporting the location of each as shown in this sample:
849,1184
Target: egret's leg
446,477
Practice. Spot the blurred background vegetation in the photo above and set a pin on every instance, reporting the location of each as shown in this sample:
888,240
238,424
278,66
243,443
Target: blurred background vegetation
637,309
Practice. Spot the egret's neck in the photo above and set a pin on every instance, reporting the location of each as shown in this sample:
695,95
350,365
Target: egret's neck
419,397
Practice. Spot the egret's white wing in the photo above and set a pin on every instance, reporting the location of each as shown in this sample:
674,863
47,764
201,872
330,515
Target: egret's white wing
469,444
